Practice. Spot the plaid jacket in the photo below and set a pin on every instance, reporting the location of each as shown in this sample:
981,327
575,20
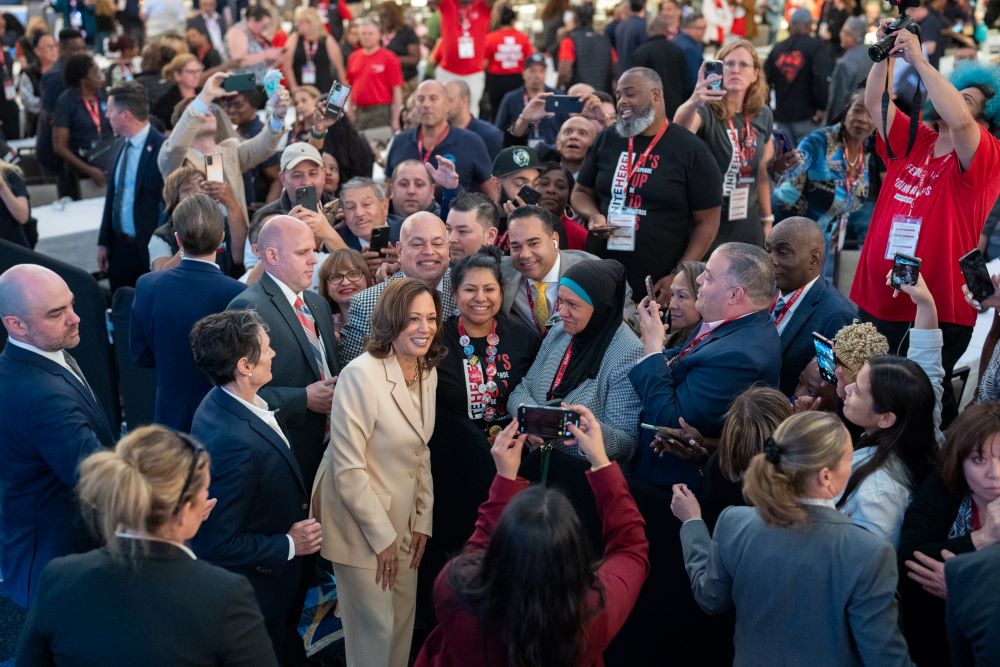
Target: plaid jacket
359,317
609,396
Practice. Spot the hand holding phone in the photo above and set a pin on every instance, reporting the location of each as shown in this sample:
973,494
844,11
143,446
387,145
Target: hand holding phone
529,195
306,197
336,101
548,423
379,238
977,276
825,358
713,68
213,168
564,104
905,270
239,82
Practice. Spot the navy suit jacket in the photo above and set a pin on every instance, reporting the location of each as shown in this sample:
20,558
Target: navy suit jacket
700,386
294,366
167,304
824,310
147,208
49,422
261,494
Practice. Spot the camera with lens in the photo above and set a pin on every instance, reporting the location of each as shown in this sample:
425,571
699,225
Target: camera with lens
879,51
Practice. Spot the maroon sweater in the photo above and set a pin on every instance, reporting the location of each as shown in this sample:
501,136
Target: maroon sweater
459,641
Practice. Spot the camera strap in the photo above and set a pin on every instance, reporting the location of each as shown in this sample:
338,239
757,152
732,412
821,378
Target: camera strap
918,100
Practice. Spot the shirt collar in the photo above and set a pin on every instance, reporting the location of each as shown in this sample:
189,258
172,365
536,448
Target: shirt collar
185,258
259,406
57,356
817,502
128,535
553,275
139,138
805,288
286,290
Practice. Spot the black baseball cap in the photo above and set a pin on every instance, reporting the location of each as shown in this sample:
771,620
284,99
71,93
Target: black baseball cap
514,159
535,59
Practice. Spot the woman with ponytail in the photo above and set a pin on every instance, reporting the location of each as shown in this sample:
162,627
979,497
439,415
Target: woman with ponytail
144,598
808,586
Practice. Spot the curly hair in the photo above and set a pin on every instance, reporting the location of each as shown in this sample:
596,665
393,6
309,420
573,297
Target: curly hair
987,79
856,343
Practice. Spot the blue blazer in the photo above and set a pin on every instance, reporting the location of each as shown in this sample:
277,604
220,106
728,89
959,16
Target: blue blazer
700,386
261,494
824,310
147,207
167,304
49,422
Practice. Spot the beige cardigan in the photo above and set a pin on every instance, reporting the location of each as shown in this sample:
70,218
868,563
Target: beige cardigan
237,155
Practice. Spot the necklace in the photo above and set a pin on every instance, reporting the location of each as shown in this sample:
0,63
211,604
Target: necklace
416,375
482,390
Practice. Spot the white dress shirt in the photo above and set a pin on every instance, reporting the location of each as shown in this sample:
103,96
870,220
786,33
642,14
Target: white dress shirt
292,296
59,357
551,292
140,536
791,310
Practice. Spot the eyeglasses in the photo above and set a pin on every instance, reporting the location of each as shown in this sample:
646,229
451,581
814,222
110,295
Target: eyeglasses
193,71
735,64
196,452
352,276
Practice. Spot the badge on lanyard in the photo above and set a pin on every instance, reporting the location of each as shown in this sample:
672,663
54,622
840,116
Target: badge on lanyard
903,235
308,73
466,47
739,203
624,225
75,19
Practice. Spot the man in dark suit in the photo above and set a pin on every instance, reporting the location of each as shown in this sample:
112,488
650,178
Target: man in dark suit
212,23
168,303
806,301
666,59
50,421
134,202
301,329
973,612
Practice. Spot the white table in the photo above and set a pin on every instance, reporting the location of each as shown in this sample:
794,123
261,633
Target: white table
69,232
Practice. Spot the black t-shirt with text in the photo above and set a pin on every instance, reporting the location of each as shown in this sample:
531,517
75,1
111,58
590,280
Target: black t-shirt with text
679,176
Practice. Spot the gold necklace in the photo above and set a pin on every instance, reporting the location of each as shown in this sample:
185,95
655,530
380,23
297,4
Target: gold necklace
416,376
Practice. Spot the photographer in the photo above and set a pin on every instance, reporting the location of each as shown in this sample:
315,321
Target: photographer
935,196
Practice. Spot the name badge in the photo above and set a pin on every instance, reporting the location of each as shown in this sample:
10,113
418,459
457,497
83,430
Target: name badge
903,236
739,203
466,48
308,74
623,237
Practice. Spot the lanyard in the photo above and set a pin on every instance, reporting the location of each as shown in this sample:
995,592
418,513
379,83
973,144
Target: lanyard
95,112
557,380
630,167
746,147
698,339
923,177
787,307
426,157
310,49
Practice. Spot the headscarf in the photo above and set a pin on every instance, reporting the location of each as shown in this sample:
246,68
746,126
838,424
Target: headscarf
600,283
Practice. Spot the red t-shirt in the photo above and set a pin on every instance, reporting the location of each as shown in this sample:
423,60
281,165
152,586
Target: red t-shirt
952,206
457,21
373,77
506,50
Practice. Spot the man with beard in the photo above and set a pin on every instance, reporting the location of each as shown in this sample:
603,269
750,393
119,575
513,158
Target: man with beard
649,189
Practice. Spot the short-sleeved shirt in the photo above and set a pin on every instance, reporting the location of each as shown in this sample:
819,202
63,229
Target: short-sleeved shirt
680,176
952,205
458,21
10,229
372,77
506,50
462,147
400,45
71,113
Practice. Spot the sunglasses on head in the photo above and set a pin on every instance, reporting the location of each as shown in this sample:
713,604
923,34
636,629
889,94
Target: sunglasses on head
196,451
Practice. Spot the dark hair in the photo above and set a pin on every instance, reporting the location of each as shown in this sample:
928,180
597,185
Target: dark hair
487,257
555,166
122,43
197,26
342,258
172,185
258,13
967,434
551,9
67,35
76,68
38,37
900,386
508,15
604,96
220,340
637,5
131,96
199,224
536,610
486,210
584,15
549,221
392,314
686,21
254,98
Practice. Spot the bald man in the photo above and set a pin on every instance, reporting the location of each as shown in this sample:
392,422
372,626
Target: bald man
301,329
49,421
423,254
805,302
435,137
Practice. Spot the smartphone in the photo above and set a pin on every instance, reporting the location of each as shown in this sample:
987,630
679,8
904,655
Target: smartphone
306,197
213,168
336,100
659,430
379,239
905,270
977,276
782,142
546,422
714,67
239,82
529,195
824,355
563,104
649,288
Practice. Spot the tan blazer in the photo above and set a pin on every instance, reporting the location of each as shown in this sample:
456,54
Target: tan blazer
374,483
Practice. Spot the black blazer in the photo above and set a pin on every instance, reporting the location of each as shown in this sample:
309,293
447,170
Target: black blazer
147,208
261,494
666,59
294,366
165,610
973,612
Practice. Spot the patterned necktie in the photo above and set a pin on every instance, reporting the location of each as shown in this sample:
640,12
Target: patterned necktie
118,213
779,305
309,326
540,308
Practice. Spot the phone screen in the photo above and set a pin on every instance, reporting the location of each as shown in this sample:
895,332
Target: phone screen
546,422
824,356
905,270
976,275
337,99
563,104
714,67
649,288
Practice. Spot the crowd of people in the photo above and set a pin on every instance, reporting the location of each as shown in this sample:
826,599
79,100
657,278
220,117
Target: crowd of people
353,301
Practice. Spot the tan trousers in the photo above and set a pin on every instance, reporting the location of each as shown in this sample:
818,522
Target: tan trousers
378,625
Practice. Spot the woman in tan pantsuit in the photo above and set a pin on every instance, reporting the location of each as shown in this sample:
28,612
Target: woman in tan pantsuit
373,490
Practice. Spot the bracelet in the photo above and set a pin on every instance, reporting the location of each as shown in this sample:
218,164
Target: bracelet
767,218
316,135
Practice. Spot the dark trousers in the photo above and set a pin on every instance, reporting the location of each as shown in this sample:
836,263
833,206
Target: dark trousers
956,339
498,85
127,260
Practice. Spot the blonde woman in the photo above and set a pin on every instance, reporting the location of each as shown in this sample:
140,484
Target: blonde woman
184,73
166,608
312,56
736,123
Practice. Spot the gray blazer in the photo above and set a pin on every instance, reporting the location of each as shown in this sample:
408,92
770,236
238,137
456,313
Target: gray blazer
973,608
823,593
609,396
850,72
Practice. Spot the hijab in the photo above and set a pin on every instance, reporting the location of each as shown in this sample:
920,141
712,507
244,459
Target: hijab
600,283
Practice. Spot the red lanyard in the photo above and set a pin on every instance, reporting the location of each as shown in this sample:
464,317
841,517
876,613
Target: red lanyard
699,338
743,146
557,380
630,167
923,177
426,157
787,307
310,50
94,109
